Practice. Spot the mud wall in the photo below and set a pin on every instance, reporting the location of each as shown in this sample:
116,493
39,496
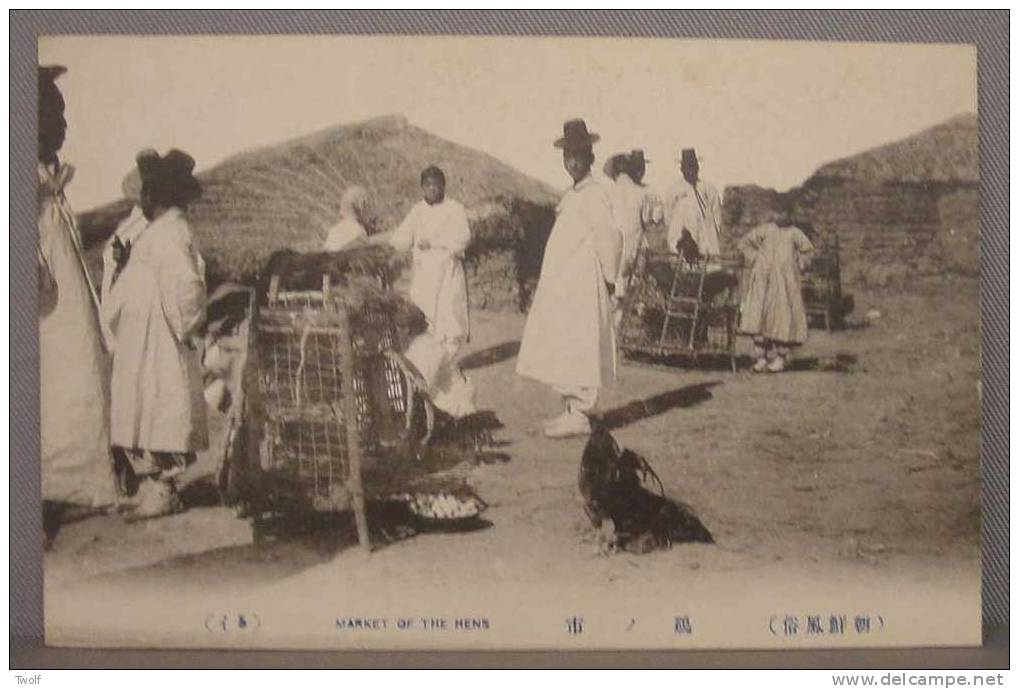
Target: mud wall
886,232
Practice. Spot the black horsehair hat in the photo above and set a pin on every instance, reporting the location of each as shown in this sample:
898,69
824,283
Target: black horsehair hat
170,177
575,136
688,158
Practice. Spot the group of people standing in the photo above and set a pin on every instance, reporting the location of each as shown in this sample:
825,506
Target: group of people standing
569,339
122,410
120,366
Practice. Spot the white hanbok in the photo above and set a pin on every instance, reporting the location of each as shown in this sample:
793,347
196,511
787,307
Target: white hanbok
698,210
127,232
344,234
569,340
438,283
77,467
152,313
633,208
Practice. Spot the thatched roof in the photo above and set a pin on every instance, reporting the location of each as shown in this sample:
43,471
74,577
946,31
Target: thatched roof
287,195
946,153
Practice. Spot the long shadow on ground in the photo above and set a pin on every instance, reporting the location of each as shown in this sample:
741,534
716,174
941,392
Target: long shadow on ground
492,355
679,398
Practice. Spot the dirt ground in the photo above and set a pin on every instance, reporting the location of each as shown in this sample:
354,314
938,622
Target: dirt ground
857,469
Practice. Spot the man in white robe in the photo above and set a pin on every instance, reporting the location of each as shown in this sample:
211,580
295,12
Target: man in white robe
694,206
77,469
569,341
153,313
695,210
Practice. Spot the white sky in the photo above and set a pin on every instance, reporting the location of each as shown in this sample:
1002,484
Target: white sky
758,112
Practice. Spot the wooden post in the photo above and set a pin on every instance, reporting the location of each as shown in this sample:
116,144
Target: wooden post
274,288
353,432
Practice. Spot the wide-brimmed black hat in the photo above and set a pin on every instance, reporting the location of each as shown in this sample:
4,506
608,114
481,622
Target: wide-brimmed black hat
575,135
169,177
688,157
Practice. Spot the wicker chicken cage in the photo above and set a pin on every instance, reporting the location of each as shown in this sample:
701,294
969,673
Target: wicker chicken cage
675,308
325,400
823,298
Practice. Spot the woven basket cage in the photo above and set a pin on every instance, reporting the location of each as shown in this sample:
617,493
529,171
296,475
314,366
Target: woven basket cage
302,342
657,276
822,281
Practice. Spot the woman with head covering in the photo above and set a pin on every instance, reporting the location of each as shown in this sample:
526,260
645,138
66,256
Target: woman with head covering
350,229
75,456
153,312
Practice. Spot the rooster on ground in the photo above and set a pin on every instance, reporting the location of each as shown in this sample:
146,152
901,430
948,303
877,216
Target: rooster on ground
629,516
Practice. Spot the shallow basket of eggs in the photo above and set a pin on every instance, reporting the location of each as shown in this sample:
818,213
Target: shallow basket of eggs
443,507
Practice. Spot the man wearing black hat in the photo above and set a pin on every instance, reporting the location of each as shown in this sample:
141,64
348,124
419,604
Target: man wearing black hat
569,341
76,463
694,207
152,315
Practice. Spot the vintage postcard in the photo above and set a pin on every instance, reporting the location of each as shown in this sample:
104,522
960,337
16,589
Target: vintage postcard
508,343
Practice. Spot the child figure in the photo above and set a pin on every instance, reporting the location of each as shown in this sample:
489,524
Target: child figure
772,308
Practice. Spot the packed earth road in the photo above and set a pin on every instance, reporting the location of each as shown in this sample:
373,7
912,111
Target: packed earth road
857,469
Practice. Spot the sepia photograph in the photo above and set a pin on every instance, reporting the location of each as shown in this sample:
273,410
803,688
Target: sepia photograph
405,342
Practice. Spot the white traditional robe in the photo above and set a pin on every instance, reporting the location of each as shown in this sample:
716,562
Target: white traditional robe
633,208
773,304
438,284
568,339
697,210
127,231
153,311
343,234
73,395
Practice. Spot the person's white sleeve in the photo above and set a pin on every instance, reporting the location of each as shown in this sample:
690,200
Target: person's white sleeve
402,238
459,233
332,241
182,286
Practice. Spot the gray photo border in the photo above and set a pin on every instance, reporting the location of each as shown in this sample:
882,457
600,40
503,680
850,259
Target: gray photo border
989,31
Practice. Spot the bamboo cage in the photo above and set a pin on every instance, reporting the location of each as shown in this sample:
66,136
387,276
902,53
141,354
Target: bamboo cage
324,400
822,285
676,308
